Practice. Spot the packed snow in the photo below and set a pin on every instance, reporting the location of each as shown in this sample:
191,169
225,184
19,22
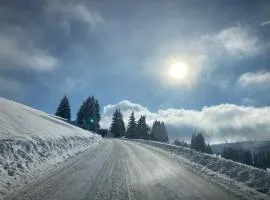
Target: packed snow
32,142
223,170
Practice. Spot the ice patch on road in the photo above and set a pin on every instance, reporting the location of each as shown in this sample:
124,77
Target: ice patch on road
32,141
220,168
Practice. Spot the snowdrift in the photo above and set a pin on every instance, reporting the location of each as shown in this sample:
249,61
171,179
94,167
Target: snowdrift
250,176
32,141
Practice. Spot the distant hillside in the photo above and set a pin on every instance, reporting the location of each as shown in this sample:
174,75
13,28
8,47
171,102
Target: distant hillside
253,146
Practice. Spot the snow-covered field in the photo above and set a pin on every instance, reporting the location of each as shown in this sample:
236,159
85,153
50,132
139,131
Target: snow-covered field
221,170
31,142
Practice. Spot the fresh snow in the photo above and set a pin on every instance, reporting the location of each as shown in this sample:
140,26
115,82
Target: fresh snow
223,171
32,141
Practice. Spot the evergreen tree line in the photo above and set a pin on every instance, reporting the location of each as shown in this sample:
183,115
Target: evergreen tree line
88,116
260,159
238,155
197,143
138,129
180,143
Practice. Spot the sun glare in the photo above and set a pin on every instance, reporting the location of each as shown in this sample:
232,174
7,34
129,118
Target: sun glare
178,71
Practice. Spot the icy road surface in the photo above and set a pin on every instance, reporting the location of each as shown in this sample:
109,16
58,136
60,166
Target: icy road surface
120,169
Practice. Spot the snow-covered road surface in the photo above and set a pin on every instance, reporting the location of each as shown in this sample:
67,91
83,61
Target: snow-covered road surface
122,169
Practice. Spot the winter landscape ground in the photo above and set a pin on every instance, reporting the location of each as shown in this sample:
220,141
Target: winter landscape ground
32,142
134,99
40,159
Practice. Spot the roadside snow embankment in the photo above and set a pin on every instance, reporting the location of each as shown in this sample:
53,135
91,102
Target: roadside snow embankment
32,141
250,176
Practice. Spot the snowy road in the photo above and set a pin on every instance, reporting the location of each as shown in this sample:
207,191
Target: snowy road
120,169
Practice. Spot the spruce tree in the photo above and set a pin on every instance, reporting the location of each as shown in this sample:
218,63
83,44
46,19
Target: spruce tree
114,124
63,109
201,143
180,143
198,143
142,129
158,132
238,155
165,137
80,116
118,125
208,149
248,157
176,142
97,115
154,131
88,116
193,141
224,153
122,128
132,125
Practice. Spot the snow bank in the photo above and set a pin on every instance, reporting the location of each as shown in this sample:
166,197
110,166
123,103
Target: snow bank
252,177
32,141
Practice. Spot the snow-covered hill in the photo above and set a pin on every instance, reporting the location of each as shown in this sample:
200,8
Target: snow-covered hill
31,141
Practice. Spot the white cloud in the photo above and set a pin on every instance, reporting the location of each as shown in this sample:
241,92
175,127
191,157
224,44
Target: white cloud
232,42
225,122
265,23
68,11
203,54
17,50
126,108
84,14
71,84
255,79
239,41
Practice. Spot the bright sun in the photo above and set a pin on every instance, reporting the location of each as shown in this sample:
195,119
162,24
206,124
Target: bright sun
178,71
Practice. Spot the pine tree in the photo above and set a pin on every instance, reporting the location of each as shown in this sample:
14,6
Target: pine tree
97,115
224,153
142,129
238,155
201,143
154,134
248,160
118,125
132,125
63,109
81,115
176,142
208,149
88,116
193,142
165,137
198,143
262,160
122,128
180,143
158,132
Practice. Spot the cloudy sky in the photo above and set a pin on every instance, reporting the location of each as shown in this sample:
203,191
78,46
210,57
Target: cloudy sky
124,53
